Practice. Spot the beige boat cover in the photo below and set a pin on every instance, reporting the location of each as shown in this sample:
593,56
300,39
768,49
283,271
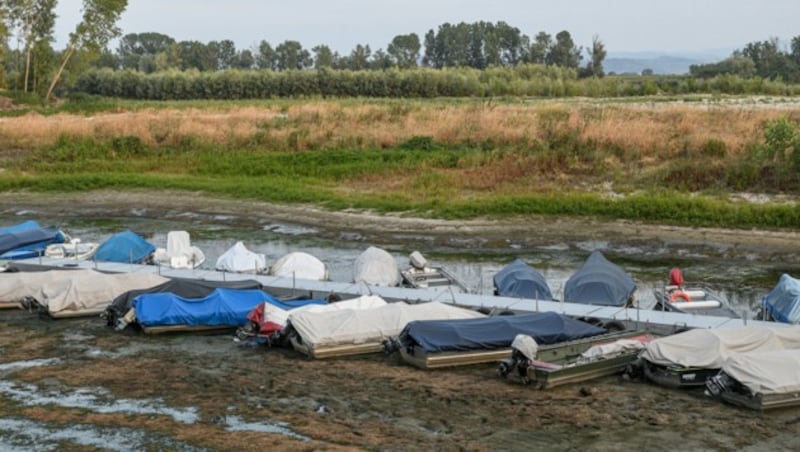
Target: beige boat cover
774,372
354,327
301,266
279,316
70,292
709,348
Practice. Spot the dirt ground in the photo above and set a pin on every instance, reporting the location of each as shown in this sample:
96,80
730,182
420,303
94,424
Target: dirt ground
99,389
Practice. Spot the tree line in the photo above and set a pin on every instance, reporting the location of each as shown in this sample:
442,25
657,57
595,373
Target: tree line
765,59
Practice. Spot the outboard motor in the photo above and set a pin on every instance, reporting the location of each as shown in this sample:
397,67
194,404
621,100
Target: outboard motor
523,353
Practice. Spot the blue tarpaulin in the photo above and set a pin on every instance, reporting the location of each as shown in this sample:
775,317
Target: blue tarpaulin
493,332
27,239
126,247
223,307
520,280
783,302
599,282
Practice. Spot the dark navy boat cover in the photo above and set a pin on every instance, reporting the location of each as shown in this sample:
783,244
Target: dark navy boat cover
520,280
222,307
186,288
783,302
599,282
495,332
24,239
126,247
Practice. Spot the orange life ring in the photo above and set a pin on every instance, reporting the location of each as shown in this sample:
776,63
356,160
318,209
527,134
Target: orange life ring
679,294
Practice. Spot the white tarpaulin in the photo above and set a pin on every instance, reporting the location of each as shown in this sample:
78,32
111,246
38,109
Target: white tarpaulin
709,348
376,267
301,266
280,317
353,327
179,252
17,285
70,292
775,372
238,259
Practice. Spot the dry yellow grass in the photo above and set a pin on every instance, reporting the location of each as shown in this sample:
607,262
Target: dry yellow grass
645,131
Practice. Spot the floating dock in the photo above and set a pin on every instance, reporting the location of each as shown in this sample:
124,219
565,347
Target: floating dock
643,319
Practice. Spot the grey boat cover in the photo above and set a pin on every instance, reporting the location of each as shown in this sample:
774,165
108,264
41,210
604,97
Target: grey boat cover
238,259
709,348
520,280
74,292
301,266
774,372
360,326
185,288
599,282
376,267
783,301
493,332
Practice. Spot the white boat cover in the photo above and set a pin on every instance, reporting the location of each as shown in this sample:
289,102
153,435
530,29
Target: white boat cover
301,266
775,372
238,259
526,345
353,327
611,349
71,292
179,252
376,267
709,348
278,316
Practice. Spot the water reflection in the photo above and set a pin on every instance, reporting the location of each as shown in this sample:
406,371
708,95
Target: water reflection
739,274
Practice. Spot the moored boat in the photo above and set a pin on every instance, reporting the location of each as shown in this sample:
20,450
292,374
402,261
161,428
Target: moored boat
419,275
375,266
600,282
782,303
759,381
520,280
239,259
179,252
675,297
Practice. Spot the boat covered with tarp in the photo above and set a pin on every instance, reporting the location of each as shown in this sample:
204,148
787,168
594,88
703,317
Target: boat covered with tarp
760,381
782,303
351,331
28,239
179,252
600,282
72,293
267,323
438,343
299,265
17,284
182,287
125,247
221,309
239,259
520,280
687,359
376,267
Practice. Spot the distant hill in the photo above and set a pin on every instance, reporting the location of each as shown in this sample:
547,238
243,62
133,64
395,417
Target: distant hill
635,63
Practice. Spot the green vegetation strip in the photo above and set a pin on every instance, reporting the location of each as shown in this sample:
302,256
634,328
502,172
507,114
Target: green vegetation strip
671,208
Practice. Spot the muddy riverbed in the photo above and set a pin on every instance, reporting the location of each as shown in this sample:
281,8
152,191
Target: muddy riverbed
75,384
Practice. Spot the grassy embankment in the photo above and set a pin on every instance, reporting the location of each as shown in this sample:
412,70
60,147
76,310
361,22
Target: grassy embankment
641,160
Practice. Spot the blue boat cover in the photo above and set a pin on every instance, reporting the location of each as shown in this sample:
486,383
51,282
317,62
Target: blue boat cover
488,333
28,237
599,282
126,247
783,302
520,280
222,307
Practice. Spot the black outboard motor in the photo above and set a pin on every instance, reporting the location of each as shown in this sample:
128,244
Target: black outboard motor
523,353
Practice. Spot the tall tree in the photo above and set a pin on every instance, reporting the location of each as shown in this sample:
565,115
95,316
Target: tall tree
292,55
540,48
97,26
195,54
266,58
33,21
564,53
226,54
404,49
324,57
244,60
133,46
597,54
359,57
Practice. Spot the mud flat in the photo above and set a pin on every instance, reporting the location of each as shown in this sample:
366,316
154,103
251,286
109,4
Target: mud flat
74,382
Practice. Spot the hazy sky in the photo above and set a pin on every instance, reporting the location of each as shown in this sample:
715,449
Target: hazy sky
668,26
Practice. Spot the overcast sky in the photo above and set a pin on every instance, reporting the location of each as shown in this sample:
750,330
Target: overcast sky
664,26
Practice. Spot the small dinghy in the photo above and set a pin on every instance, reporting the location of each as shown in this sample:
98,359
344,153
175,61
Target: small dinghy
419,275
759,381
376,267
179,252
600,282
299,265
74,249
239,259
674,297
